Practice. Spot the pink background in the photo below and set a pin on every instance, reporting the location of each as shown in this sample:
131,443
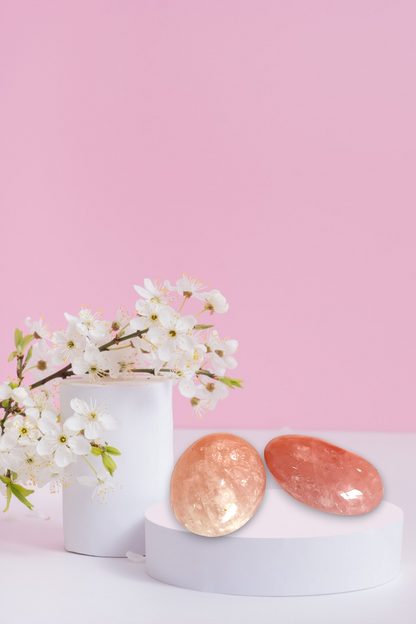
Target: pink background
267,147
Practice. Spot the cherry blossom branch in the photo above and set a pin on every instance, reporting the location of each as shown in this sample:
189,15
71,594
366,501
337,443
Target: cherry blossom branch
66,372
170,370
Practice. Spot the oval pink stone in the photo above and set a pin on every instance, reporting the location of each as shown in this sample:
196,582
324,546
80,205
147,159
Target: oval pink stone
324,476
217,484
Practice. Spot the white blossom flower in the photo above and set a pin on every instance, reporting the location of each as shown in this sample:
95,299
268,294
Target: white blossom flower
25,427
214,301
183,374
122,319
174,333
149,315
184,370
199,406
93,364
69,345
37,328
187,286
89,324
32,465
10,455
42,360
221,353
18,394
122,362
40,405
151,291
62,443
54,475
212,392
90,418
101,482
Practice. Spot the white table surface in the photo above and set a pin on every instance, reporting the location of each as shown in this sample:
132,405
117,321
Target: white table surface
41,583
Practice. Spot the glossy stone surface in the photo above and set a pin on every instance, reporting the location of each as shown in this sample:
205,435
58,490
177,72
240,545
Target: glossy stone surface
217,484
324,476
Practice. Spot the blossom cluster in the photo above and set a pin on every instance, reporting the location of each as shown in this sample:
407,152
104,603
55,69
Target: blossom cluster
37,448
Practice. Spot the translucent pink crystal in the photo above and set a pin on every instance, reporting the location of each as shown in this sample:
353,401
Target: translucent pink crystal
217,484
324,476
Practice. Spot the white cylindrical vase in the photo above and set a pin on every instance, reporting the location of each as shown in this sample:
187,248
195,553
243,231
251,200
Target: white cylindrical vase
115,525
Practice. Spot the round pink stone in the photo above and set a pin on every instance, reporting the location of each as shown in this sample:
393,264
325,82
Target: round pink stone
217,484
324,476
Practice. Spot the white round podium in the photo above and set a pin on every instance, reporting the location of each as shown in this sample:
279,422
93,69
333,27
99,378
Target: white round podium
286,549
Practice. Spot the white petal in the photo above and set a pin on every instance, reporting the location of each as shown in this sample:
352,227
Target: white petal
185,323
187,388
92,353
29,402
138,323
169,287
91,481
231,346
185,342
79,406
70,318
80,366
48,426
13,460
58,358
19,394
109,422
229,361
63,456
219,367
33,412
201,296
135,557
75,423
93,430
46,446
79,445
8,440
167,318
150,287
49,415
5,392
142,292
156,333
165,352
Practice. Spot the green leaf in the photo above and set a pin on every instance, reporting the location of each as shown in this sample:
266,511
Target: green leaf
96,451
203,326
231,383
112,451
22,489
5,403
4,479
25,341
9,497
16,490
108,463
17,337
237,382
29,355
14,476
12,356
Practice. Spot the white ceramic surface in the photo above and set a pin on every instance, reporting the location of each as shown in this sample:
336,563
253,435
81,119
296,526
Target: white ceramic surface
286,549
143,406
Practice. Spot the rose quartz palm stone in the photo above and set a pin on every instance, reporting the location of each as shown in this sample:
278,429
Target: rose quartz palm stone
217,484
324,476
